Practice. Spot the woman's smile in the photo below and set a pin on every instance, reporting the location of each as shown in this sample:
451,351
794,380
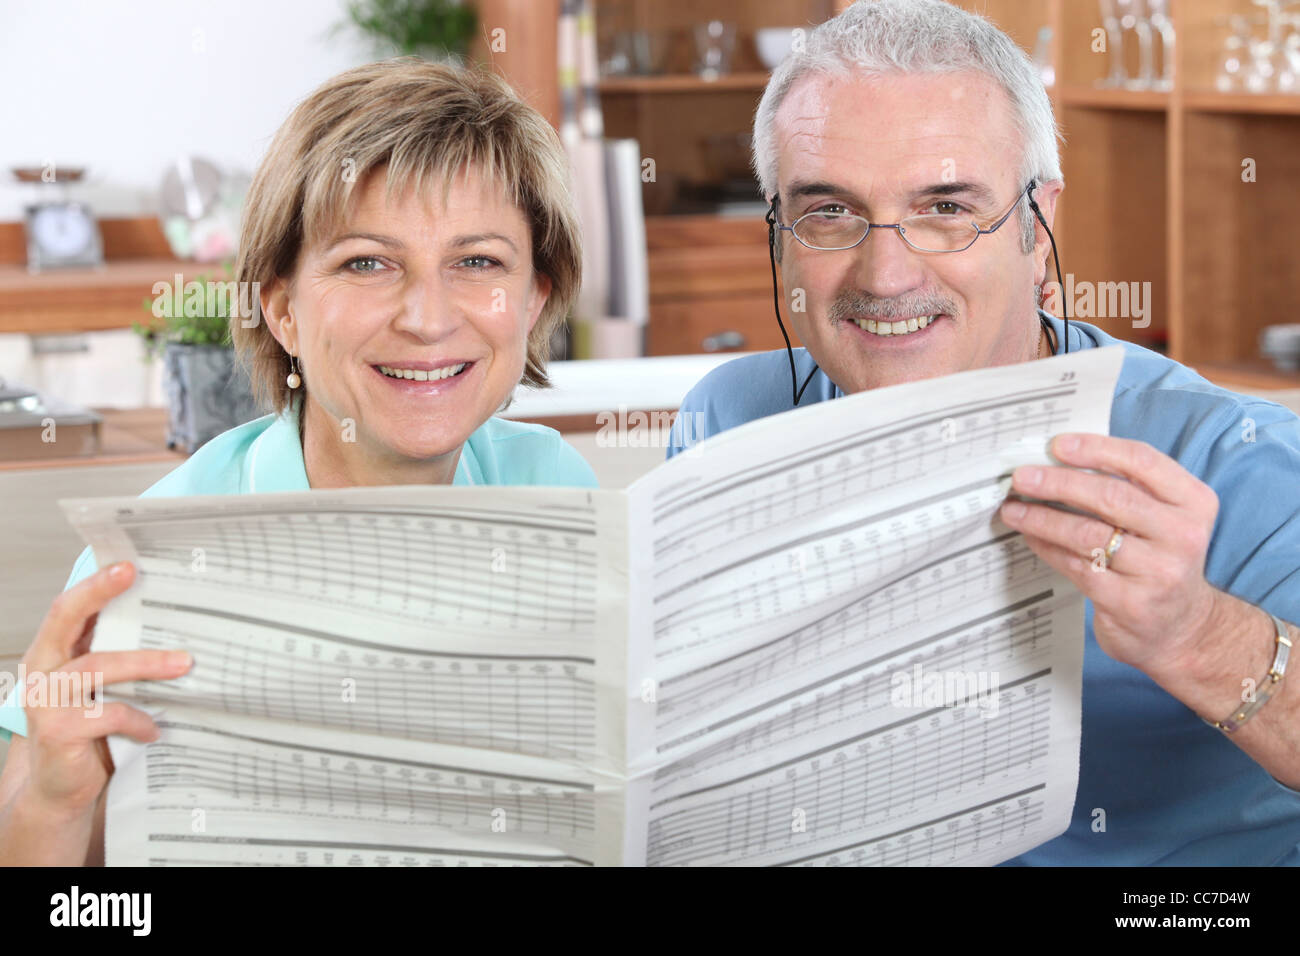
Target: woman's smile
425,378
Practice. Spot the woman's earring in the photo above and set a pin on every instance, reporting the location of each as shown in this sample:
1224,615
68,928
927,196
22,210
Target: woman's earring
294,379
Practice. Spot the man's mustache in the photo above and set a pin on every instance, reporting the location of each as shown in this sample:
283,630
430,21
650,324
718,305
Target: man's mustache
853,305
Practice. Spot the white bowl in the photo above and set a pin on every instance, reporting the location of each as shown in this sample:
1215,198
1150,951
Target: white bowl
774,44
1281,343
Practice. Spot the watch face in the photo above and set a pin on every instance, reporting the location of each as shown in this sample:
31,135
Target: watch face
62,231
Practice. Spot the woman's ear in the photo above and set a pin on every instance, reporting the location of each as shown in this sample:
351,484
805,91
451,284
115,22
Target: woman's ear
275,309
541,292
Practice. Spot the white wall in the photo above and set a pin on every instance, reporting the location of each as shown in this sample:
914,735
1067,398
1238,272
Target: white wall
108,370
124,86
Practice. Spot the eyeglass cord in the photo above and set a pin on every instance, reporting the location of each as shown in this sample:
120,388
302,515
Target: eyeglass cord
1060,283
776,304
797,390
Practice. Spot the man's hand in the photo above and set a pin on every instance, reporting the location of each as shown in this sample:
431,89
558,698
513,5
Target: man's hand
1152,605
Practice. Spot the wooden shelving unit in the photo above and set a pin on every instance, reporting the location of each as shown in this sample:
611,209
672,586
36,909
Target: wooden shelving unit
1154,181
86,300
1203,101
1155,189
1088,96
683,83
710,282
90,300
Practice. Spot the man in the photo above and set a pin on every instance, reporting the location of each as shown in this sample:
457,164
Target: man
908,112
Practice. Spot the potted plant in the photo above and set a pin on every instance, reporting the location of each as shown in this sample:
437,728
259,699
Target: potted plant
208,391
437,29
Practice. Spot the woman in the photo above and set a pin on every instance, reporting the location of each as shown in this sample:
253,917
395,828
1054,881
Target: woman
415,246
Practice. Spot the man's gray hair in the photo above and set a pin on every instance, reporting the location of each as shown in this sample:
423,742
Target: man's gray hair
918,36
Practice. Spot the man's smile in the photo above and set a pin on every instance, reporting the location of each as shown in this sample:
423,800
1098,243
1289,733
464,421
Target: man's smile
880,333
883,327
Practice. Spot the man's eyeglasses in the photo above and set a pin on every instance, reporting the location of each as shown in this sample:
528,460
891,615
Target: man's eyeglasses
831,231
844,231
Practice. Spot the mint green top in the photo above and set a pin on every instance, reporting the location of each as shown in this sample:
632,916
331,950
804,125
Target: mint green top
266,455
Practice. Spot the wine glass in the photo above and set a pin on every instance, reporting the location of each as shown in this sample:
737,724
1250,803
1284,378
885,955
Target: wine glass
1293,46
1043,57
1231,75
1160,21
1269,69
1132,16
1114,45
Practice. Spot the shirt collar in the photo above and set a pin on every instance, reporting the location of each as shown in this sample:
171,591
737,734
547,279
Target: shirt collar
464,476
275,460
1076,339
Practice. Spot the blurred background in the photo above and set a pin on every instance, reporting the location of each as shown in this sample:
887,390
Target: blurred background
130,130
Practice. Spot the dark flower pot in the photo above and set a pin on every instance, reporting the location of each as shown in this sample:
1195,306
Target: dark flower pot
207,393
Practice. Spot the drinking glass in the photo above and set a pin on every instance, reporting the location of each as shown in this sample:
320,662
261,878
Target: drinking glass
714,43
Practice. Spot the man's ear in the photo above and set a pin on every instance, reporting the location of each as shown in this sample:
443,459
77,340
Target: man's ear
778,237
1045,195
275,310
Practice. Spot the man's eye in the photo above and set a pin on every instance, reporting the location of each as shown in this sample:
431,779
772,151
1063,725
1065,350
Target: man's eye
952,208
832,209
363,265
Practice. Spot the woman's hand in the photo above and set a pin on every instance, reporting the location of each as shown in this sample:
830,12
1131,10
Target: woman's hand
54,777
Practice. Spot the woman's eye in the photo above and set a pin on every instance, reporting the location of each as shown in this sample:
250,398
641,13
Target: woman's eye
479,262
363,265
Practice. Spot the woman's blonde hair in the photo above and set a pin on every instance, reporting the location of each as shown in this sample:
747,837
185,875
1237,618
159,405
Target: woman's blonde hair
425,122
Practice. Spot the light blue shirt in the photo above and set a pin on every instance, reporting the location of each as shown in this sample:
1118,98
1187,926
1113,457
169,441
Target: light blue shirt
1174,790
266,455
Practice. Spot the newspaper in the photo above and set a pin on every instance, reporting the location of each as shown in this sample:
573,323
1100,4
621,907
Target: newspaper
805,641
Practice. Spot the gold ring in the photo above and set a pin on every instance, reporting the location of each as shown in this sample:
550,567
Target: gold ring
1116,539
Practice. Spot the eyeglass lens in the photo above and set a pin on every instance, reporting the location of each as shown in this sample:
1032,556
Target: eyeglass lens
932,233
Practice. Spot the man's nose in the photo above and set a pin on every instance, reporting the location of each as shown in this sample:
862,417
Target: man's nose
429,310
886,266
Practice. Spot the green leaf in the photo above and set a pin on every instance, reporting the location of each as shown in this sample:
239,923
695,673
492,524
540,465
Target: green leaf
415,26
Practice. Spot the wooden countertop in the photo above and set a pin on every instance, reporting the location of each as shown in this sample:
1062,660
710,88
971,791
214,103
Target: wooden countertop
127,436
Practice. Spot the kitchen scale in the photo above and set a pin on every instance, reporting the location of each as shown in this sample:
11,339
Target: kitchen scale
61,232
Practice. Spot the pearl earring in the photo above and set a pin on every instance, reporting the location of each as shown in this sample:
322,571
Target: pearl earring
294,379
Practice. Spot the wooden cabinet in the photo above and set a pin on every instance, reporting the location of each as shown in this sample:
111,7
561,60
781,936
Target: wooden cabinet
1154,193
710,286
710,280
1191,190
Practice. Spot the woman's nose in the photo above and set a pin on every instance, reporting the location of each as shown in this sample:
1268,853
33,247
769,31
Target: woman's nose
429,309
